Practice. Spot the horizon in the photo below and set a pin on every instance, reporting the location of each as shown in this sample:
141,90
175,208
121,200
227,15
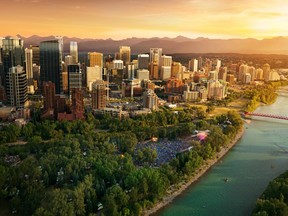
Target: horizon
133,37
122,19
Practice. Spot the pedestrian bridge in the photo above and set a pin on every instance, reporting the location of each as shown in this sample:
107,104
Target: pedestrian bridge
266,115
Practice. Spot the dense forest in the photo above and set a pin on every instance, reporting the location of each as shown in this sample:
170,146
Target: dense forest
274,200
93,166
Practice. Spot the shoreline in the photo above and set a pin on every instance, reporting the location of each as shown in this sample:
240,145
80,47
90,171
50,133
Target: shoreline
201,171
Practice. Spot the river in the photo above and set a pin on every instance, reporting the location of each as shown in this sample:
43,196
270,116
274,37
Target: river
259,156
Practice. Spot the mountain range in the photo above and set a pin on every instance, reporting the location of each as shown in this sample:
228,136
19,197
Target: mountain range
180,44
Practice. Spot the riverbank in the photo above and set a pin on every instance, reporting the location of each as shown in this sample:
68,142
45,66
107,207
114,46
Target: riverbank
208,164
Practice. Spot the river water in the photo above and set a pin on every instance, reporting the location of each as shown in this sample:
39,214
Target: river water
258,157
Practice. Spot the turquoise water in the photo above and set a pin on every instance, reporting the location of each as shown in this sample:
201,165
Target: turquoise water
259,156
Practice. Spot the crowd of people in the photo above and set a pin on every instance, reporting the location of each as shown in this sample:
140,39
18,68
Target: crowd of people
166,149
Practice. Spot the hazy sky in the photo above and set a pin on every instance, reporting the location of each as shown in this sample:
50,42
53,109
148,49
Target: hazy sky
119,19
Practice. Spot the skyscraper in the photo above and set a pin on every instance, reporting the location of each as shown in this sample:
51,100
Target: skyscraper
155,55
74,77
36,54
143,61
166,61
98,95
16,87
95,58
266,71
29,69
12,55
150,100
51,63
74,51
193,65
125,54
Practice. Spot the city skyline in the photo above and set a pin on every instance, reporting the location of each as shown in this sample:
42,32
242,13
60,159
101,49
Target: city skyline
134,18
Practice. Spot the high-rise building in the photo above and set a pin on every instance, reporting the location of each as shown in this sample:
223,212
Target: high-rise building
231,79
125,54
259,74
216,90
252,72
213,75
274,76
165,73
29,69
36,54
95,58
143,61
266,71
247,78
243,69
118,64
143,74
48,92
155,55
166,61
16,87
154,71
93,74
68,60
74,52
98,95
193,65
130,71
12,55
77,101
200,63
176,69
222,73
150,99
74,77
51,63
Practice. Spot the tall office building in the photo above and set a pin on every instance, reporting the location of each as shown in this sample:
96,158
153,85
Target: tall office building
98,95
259,74
74,77
143,74
74,51
252,72
243,69
223,73
12,55
130,71
68,60
143,61
125,54
200,63
213,75
51,63
193,65
176,69
29,69
93,74
165,73
150,100
118,64
154,71
16,87
36,54
166,61
48,92
155,55
95,58
266,71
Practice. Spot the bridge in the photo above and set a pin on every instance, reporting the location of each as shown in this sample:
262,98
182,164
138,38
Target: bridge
266,115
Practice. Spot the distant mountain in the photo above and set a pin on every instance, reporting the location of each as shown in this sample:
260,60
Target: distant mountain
180,44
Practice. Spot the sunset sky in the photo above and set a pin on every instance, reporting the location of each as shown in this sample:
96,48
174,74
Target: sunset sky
118,19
